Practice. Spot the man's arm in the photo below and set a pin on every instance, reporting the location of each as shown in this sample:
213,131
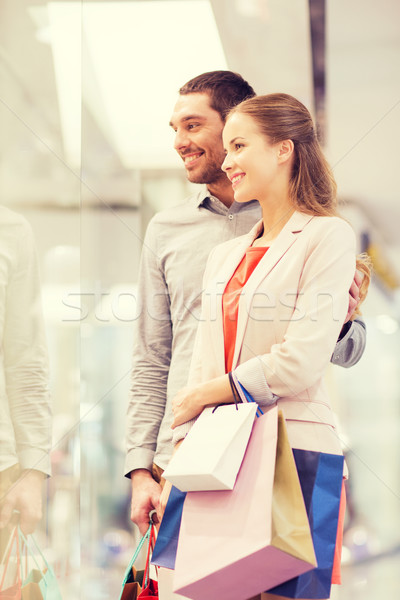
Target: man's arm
352,339
26,377
24,496
351,344
150,368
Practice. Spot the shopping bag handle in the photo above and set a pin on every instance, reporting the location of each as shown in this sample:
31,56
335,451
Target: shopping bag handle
13,538
35,544
250,398
144,537
152,539
235,393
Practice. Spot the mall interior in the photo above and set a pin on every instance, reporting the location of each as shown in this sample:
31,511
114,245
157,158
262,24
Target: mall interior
86,93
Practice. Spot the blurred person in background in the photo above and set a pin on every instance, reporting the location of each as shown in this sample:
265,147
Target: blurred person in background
175,251
25,413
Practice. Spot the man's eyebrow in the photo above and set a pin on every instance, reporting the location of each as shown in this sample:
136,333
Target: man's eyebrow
188,118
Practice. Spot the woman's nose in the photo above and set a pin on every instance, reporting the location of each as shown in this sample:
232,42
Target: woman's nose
226,165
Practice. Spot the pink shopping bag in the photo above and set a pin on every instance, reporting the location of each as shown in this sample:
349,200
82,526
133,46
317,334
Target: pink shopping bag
236,544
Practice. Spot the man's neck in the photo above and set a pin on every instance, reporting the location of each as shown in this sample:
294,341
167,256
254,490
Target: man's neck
223,191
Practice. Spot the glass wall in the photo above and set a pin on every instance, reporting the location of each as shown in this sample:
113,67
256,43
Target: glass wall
86,92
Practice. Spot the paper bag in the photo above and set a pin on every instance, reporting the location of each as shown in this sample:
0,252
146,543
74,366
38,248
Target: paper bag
130,587
321,478
210,456
236,544
164,552
165,584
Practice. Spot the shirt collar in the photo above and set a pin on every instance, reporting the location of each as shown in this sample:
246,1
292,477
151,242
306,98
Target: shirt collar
205,199
202,195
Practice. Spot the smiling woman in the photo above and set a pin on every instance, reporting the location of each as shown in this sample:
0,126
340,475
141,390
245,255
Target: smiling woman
277,353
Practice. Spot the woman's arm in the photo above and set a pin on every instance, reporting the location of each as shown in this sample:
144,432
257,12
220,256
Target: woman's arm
300,359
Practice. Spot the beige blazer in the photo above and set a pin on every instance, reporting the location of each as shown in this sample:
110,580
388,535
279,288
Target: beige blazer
290,315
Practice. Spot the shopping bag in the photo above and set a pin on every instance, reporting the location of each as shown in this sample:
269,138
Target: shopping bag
10,569
164,552
210,456
39,582
150,586
130,587
236,544
165,585
11,593
321,482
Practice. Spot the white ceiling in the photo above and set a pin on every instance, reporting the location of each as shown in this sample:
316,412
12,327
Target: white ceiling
86,90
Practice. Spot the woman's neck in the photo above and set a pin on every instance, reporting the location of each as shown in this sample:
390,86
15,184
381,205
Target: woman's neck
275,217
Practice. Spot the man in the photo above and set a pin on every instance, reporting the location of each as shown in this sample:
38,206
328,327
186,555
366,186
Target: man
175,252
25,413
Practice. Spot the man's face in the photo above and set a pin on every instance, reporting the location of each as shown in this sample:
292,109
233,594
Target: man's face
198,138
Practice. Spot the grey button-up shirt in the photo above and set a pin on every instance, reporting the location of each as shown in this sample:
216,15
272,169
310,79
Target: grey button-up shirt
25,414
175,251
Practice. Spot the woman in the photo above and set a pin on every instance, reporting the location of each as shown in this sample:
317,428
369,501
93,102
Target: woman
284,286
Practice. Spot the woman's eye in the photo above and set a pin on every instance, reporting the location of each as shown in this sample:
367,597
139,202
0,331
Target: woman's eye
238,146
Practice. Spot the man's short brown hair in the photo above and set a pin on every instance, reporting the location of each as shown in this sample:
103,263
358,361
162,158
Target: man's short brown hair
225,88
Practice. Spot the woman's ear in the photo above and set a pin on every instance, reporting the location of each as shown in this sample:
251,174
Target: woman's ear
285,150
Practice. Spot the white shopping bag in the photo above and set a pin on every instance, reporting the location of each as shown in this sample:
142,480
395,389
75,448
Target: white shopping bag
210,456
165,585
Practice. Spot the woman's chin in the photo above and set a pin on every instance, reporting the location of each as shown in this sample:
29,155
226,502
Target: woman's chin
240,197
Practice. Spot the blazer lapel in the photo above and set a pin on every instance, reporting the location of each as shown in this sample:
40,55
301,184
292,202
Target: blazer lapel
218,285
271,258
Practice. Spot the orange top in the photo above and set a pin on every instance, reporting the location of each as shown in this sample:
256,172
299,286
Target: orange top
230,299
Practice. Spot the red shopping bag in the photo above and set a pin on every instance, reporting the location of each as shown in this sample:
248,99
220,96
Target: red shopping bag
150,587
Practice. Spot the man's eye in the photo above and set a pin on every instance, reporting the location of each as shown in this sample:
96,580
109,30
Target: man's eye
192,125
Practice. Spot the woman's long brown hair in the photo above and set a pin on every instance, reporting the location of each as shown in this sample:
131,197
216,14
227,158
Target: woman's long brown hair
312,185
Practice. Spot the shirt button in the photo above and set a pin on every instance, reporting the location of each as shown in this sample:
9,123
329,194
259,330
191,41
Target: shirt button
230,217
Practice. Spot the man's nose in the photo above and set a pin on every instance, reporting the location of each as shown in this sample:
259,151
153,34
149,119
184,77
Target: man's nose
181,141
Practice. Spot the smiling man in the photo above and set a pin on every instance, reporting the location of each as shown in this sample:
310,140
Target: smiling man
175,251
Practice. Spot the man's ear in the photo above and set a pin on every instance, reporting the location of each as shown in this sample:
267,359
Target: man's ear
285,150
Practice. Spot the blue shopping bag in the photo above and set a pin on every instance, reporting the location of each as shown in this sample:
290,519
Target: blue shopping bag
321,478
164,553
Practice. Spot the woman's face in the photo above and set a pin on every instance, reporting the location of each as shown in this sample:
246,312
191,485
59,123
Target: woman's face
251,162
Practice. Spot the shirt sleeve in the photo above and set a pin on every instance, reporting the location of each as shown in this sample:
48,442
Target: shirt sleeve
26,358
151,359
299,361
351,345
195,371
